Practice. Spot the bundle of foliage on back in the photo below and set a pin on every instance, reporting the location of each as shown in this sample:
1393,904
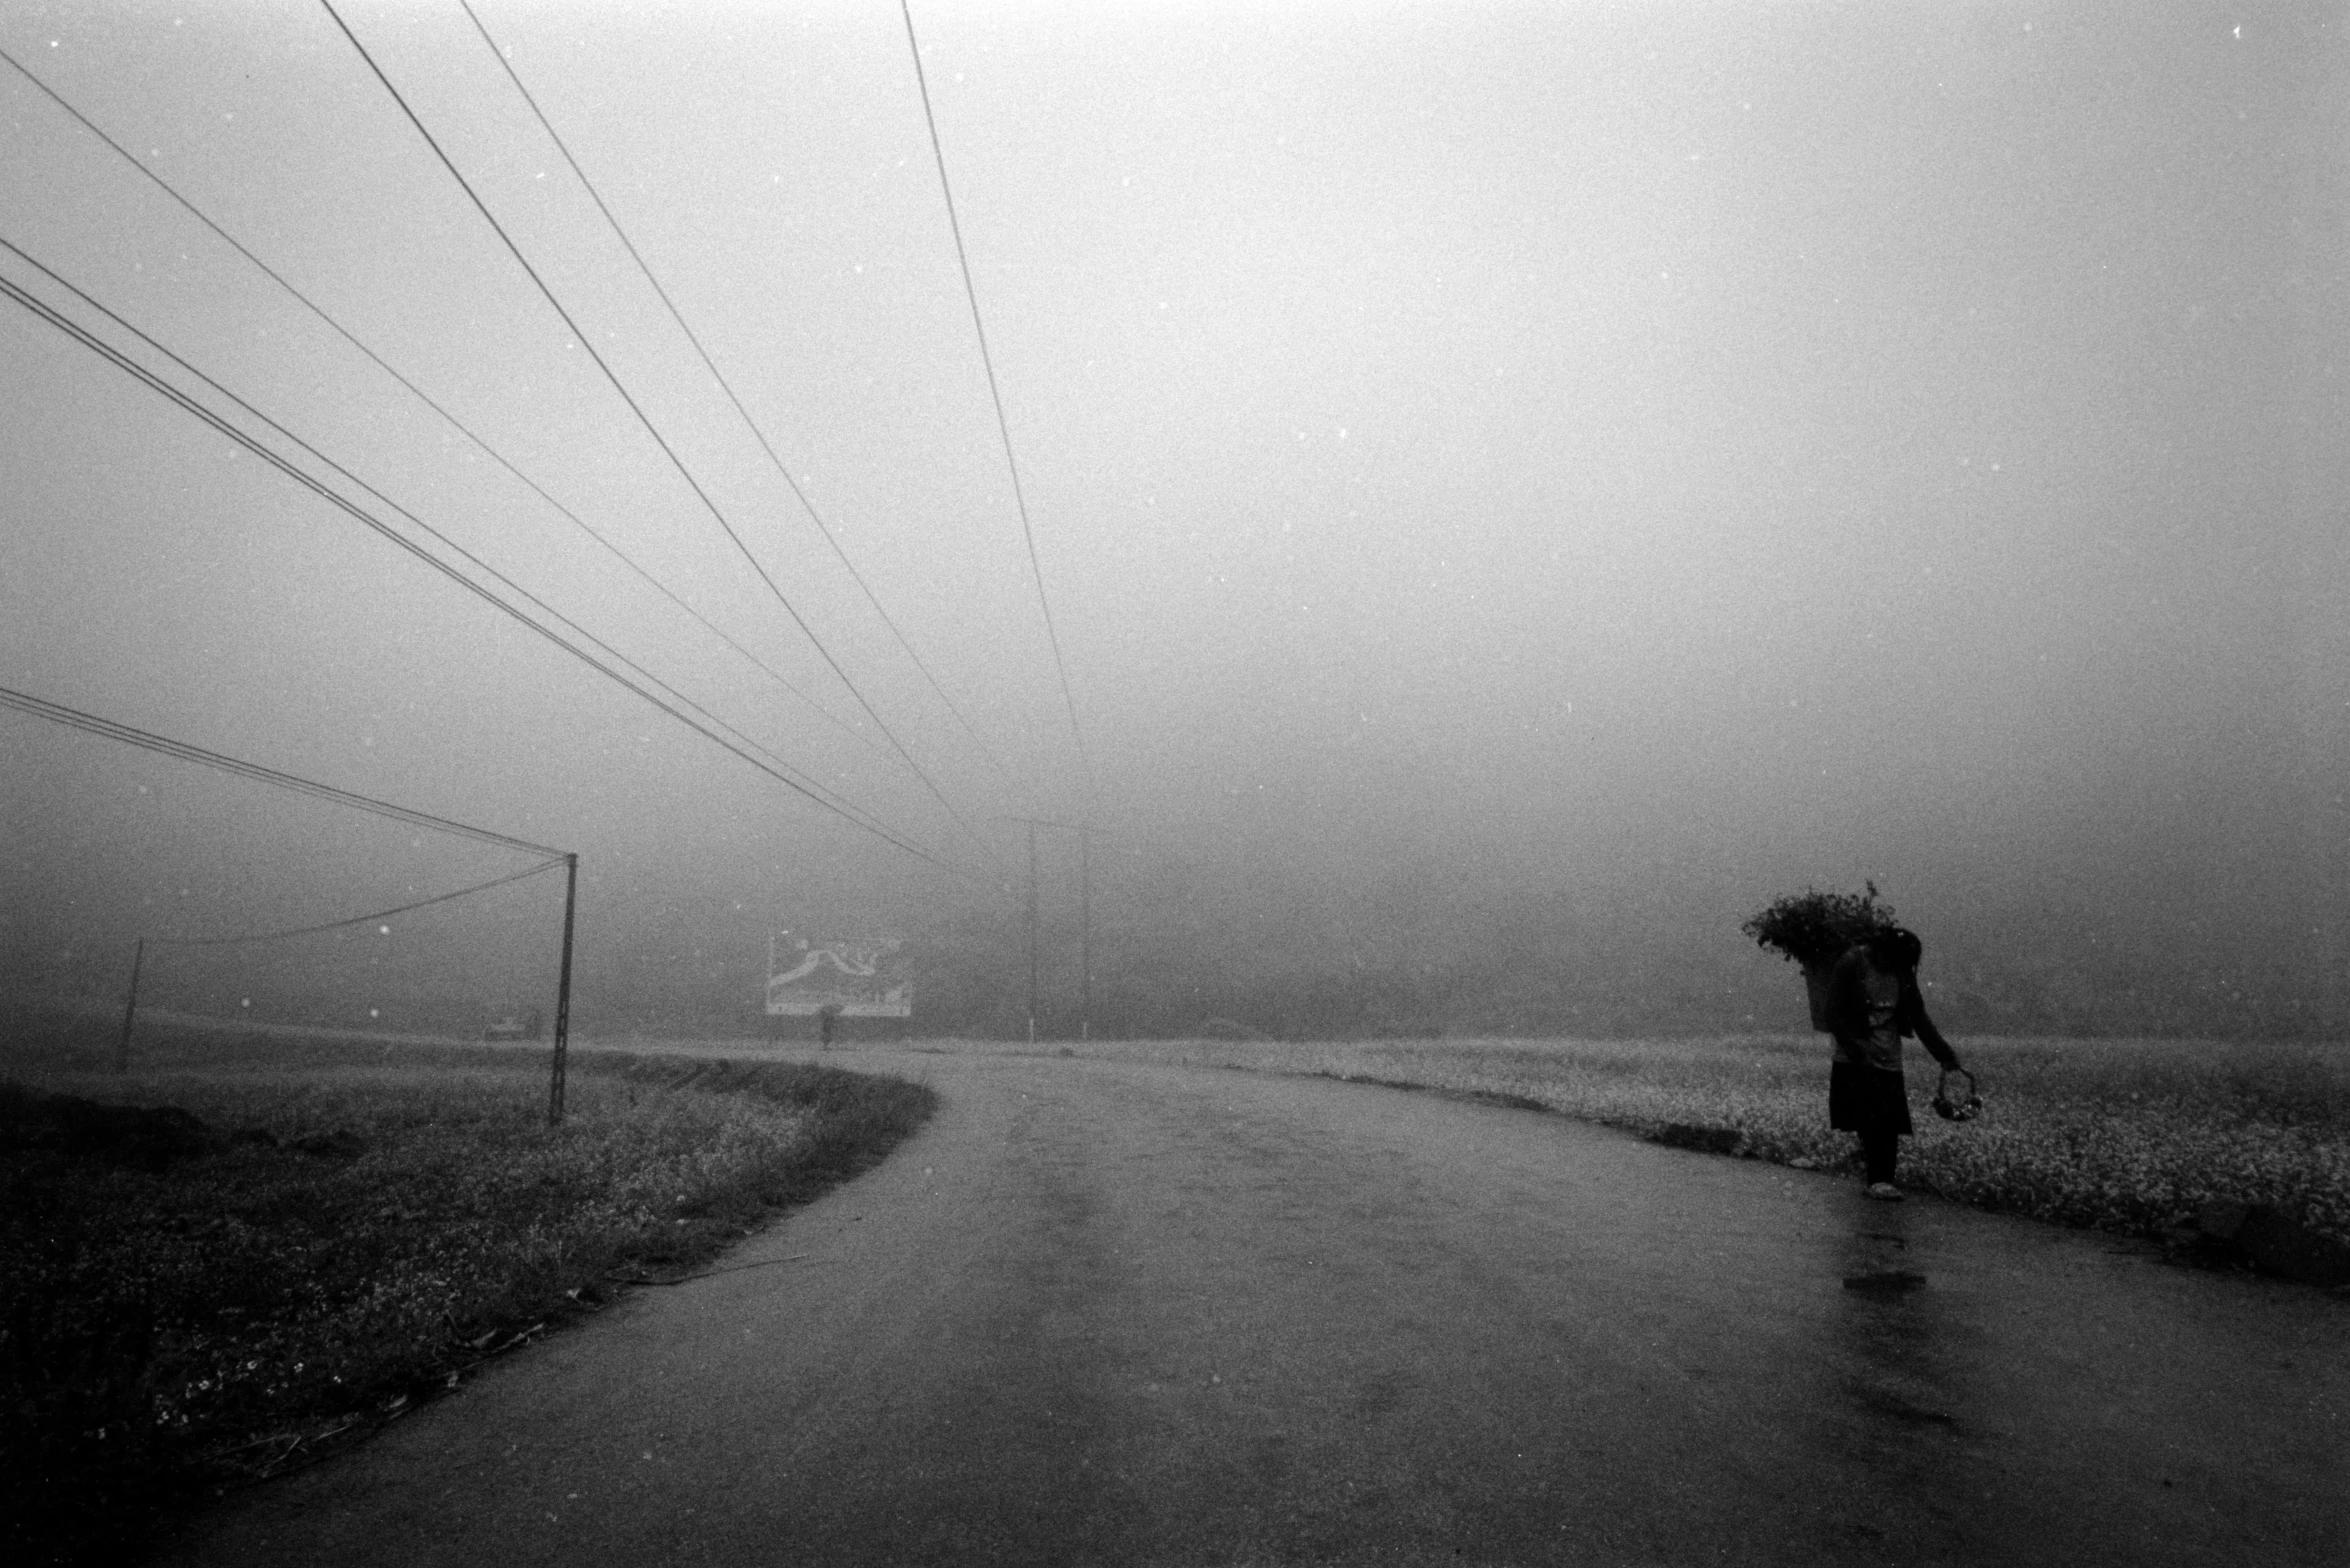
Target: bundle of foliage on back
1812,927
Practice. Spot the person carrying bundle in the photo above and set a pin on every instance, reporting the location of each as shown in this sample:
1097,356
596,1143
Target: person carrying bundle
1873,1002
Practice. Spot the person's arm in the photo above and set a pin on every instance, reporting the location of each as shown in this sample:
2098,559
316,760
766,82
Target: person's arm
1928,1036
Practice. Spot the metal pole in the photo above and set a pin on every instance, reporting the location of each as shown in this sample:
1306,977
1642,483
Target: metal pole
1031,933
130,1010
563,993
1085,933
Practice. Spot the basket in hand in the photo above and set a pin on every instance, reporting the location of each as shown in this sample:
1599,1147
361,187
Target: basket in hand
1957,1107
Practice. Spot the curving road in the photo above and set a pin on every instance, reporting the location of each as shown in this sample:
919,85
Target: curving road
1115,1314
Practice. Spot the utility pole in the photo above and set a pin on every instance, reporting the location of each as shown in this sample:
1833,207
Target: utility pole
1032,915
1085,933
563,993
1084,834
130,1010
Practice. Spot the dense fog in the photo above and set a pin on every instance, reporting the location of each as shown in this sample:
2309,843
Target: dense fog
1513,488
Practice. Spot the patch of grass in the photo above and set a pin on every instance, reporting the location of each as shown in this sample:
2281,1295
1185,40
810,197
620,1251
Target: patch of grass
345,1241
2111,1134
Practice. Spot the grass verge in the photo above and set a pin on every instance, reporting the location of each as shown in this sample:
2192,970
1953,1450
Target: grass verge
191,1301
2115,1135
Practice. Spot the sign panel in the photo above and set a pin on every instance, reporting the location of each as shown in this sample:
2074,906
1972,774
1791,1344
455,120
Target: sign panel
853,978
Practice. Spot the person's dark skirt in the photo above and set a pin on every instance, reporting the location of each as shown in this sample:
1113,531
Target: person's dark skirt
1867,1100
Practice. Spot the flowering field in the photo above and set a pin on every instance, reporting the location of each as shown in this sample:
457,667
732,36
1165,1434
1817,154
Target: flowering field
334,1242
2120,1135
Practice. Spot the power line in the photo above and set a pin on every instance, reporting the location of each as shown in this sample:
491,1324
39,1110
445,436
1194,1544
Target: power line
781,468
807,787
1003,425
344,504
587,343
60,714
422,396
358,920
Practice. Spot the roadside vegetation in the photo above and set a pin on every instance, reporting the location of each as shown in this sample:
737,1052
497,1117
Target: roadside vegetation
2114,1135
282,1250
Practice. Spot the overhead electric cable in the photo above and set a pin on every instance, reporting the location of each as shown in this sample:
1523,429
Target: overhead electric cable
114,356
430,402
1003,425
800,780
588,344
357,920
73,717
726,386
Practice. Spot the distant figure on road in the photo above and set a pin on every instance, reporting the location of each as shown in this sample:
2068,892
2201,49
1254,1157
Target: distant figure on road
1873,1002
826,1017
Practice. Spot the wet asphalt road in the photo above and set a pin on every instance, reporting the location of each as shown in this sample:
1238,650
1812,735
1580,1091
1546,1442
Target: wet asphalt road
1104,1313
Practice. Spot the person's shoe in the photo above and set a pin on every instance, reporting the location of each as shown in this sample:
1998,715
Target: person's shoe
1884,1192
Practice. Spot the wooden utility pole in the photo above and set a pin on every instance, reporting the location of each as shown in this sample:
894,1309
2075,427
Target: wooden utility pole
130,1010
563,994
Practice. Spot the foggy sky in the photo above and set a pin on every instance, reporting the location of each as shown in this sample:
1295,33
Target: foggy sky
1658,454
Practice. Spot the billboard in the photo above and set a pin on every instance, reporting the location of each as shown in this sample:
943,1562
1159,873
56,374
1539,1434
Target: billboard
852,977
